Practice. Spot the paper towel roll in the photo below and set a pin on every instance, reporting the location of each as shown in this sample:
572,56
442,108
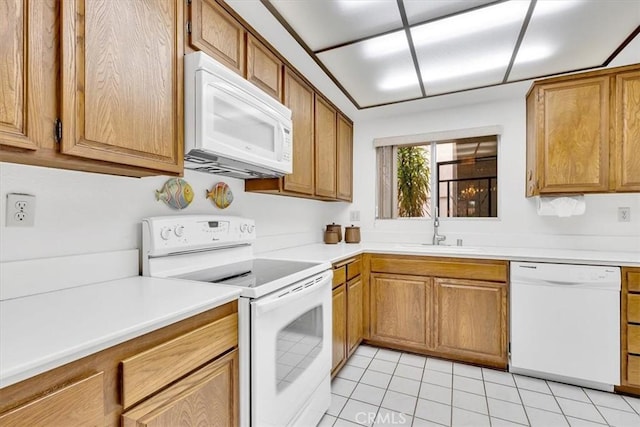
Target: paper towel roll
561,206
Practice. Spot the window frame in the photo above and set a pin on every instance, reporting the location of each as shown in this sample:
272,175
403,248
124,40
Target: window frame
421,139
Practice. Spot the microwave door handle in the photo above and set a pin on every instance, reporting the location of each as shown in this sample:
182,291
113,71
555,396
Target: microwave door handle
283,136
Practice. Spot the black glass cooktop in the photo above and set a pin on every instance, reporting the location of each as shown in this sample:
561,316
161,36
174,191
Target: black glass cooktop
250,273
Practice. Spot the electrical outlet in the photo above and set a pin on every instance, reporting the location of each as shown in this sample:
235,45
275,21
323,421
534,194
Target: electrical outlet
624,214
21,210
354,216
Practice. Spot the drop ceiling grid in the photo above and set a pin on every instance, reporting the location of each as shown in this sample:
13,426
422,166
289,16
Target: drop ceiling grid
336,35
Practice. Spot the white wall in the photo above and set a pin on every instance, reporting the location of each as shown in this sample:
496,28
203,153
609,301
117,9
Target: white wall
518,224
79,212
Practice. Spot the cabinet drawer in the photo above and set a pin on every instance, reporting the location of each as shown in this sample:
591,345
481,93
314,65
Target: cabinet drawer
633,370
149,371
354,268
339,276
78,404
633,308
454,268
209,396
633,281
633,339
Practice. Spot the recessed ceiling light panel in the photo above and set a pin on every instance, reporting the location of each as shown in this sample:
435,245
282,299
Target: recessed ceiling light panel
322,24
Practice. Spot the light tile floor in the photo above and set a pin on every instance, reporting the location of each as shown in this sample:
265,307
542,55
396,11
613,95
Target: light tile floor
380,387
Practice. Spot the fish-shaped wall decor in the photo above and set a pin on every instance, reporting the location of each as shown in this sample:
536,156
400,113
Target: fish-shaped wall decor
176,193
221,195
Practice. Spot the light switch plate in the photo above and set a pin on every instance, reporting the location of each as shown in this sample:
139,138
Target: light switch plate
21,210
354,216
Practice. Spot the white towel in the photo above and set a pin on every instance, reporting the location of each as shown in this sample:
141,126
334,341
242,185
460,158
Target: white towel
561,206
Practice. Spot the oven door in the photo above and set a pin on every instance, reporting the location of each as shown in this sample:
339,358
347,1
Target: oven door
290,349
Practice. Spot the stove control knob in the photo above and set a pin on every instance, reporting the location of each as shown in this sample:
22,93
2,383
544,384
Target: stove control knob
179,230
251,228
165,233
243,228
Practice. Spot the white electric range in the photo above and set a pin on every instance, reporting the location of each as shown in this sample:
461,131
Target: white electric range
284,312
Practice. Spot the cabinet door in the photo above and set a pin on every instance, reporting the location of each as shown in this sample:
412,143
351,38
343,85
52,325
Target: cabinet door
217,33
355,293
345,159
471,320
78,404
264,69
339,353
573,144
325,148
122,82
208,397
400,310
28,66
298,96
627,139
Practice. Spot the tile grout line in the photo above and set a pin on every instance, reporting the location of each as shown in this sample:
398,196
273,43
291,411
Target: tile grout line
451,374
486,396
595,406
632,407
524,407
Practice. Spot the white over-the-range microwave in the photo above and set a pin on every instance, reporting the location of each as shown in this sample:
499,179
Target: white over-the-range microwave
232,127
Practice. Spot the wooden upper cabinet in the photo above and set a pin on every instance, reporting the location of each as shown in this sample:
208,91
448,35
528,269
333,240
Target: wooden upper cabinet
264,69
345,159
471,320
217,33
583,133
122,82
325,133
573,139
28,62
299,97
627,136
400,310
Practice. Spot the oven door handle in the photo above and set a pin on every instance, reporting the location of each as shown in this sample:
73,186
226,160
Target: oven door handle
296,291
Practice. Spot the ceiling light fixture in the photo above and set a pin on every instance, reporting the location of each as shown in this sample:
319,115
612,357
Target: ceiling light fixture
467,67
385,45
397,81
476,21
494,61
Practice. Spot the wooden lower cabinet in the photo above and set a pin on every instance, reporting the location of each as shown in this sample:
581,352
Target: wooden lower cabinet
206,397
400,310
339,349
630,331
180,375
445,307
77,404
348,311
355,290
471,320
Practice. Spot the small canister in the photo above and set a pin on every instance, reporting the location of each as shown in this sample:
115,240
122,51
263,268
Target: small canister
331,237
337,228
352,234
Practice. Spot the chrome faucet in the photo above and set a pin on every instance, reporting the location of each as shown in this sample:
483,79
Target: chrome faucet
437,238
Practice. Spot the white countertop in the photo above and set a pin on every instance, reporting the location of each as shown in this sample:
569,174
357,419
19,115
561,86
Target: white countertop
44,331
320,252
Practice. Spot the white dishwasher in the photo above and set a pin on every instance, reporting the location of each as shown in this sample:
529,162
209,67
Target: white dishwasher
565,323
